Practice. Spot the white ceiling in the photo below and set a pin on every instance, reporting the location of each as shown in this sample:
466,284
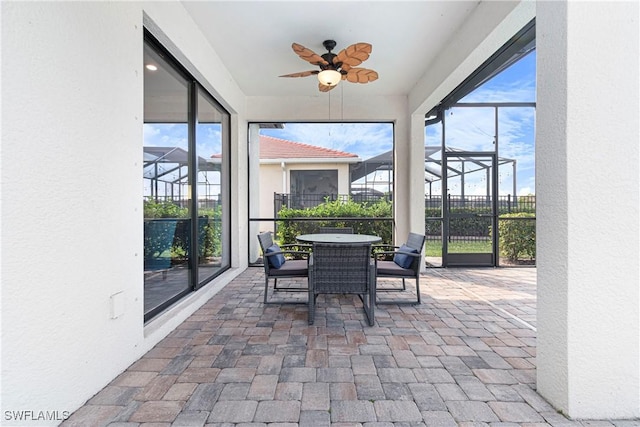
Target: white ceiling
253,39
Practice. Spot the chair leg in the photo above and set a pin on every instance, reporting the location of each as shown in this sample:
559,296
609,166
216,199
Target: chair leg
372,304
276,301
402,302
312,307
404,285
277,288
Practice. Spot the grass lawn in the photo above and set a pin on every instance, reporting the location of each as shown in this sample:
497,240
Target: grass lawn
434,248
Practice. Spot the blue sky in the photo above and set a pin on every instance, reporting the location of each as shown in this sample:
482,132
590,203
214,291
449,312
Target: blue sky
467,128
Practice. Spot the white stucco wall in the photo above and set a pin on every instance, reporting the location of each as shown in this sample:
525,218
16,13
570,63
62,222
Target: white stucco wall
72,284
271,180
587,177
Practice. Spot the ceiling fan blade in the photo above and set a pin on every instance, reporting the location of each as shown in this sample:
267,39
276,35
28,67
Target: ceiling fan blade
361,75
353,55
308,55
325,88
301,74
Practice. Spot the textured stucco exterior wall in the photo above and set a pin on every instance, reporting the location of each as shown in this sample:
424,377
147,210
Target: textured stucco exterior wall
72,281
588,202
70,212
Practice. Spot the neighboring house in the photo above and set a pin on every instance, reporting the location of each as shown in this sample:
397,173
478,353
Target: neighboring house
304,171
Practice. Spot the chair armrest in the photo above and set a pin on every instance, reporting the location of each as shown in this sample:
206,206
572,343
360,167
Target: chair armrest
298,246
383,248
305,253
397,252
383,245
389,253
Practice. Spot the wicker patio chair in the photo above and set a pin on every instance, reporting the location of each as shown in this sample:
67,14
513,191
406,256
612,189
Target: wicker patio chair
405,264
335,230
277,266
342,269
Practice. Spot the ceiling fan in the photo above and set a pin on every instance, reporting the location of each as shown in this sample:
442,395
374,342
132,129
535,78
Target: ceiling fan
334,68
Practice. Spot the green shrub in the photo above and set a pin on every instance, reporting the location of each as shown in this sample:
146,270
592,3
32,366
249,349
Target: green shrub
163,209
517,236
356,215
209,228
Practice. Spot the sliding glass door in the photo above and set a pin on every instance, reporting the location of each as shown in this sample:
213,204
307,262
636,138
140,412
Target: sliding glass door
185,181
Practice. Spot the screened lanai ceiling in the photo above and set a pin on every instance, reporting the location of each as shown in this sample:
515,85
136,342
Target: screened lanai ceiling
253,38
169,164
432,164
252,41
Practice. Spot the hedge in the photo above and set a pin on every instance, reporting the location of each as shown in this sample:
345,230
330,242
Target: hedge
356,215
209,228
517,236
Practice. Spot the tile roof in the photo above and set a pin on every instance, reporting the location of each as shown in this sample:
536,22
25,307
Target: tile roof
275,148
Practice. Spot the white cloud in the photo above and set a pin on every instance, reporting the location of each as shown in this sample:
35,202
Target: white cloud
525,191
165,135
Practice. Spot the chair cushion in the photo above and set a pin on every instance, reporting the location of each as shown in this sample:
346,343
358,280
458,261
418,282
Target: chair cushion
390,268
403,260
293,267
275,261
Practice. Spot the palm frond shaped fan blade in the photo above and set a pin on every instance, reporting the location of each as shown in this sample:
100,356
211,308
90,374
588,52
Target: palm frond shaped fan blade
301,74
361,75
308,55
325,88
353,55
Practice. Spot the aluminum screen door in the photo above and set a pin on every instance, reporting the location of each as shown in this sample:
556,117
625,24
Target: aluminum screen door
470,206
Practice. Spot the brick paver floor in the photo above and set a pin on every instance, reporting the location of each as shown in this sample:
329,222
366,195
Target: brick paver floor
464,357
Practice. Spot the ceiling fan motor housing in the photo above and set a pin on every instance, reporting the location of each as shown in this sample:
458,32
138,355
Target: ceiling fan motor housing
329,56
329,44
330,66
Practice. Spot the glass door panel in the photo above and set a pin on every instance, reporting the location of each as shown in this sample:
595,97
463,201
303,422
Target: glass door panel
209,154
165,183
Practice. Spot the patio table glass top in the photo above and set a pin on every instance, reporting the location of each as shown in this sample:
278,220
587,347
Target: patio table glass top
338,238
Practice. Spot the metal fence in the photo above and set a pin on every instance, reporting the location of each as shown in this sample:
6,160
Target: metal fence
506,204
301,201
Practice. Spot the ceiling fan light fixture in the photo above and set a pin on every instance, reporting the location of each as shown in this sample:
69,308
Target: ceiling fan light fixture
329,77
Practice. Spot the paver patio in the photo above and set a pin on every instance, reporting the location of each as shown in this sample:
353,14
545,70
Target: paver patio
464,357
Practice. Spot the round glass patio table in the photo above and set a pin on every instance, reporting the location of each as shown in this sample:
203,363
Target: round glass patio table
338,238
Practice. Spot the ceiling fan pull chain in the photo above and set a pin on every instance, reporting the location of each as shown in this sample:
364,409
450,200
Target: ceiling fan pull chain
342,103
